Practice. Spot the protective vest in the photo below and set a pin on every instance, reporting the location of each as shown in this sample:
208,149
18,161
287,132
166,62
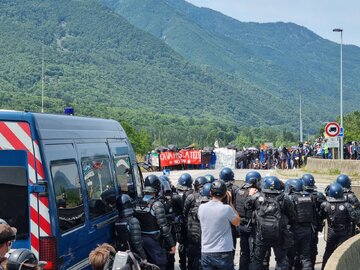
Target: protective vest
194,227
304,208
145,214
170,217
240,197
338,214
122,234
268,218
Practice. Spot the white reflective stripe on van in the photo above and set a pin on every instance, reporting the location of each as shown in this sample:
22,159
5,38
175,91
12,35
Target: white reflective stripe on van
80,265
21,135
4,144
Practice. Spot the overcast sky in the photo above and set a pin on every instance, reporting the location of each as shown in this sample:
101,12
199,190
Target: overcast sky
320,16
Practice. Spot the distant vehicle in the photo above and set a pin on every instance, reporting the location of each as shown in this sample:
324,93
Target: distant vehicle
59,178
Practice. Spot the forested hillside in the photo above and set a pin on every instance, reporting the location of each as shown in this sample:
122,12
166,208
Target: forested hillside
283,59
103,66
99,63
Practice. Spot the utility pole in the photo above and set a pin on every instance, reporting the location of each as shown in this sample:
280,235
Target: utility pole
301,124
42,78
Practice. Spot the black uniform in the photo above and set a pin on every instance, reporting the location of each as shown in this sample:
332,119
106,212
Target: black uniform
156,232
340,216
318,198
128,236
246,229
302,229
191,209
351,198
271,228
181,225
170,217
233,190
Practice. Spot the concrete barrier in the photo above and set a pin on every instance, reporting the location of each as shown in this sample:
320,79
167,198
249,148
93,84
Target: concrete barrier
346,256
333,166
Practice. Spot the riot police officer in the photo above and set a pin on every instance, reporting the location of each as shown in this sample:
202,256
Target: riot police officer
127,228
350,196
194,228
303,226
166,195
246,228
22,259
227,175
156,232
318,197
273,213
340,215
183,189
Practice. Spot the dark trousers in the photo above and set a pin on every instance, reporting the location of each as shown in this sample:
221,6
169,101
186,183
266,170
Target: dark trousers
335,237
170,261
217,261
247,238
155,253
314,249
194,256
260,251
182,249
302,247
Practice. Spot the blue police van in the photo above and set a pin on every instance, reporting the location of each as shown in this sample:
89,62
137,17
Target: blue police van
59,178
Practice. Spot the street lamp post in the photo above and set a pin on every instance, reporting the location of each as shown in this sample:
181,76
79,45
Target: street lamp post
341,95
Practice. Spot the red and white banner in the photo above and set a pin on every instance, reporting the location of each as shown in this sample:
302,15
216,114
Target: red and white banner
192,157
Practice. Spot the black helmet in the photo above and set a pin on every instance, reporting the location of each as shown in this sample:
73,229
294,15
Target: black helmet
226,174
335,190
253,179
344,181
210,178
185,182
205,191
308,181
124,206
218,188
152,184
272,184
165,186
290,186
2,221
21,259
199,182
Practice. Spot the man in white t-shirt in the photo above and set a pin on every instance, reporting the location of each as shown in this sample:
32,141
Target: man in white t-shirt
216,218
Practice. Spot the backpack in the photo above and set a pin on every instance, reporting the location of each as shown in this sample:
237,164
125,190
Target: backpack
240,198
268,219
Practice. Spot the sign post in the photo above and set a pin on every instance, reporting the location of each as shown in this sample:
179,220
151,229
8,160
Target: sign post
332,130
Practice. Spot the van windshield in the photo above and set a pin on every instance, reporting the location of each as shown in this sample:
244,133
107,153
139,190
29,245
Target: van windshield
14,199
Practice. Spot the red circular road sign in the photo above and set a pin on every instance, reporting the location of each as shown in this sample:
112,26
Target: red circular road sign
332,129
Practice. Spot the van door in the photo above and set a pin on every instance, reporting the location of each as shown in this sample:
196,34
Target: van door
14,199
99,181
128,175
67,206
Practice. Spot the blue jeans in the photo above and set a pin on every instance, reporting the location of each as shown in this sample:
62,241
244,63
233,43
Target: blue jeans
217,261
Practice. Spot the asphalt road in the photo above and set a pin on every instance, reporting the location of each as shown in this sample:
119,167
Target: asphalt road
240,175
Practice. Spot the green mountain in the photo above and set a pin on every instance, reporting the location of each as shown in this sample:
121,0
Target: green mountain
98,62
282,59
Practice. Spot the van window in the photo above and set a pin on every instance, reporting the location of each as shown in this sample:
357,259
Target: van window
124,175
138,180
97,175
67,187
14,199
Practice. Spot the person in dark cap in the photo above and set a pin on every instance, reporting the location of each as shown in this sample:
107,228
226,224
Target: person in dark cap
7,236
